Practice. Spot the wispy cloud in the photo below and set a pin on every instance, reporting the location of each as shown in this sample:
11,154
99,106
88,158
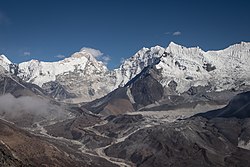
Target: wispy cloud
176,33
4,20
26,53
96,53
105,59
60,56
122,60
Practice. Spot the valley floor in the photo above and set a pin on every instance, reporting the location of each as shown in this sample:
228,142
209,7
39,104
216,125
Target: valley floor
144,138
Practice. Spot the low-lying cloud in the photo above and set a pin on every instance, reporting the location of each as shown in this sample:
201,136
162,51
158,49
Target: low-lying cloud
35,108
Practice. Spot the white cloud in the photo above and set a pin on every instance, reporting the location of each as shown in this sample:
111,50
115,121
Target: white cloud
122,60
60,56
105,59
96,53
177,33
166,33
26,53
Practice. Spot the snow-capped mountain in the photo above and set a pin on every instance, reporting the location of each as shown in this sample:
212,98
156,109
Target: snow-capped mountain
5,62
135,64
40,72
88,79
80,74
223,69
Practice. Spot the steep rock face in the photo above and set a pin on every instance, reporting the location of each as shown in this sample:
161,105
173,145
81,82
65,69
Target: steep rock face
233,120
116,102
146,91
134,65
12,84
57,91
238,107
5,62
142,90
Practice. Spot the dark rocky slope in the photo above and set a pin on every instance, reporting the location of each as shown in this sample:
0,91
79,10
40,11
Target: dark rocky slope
238,107
220,140
193,142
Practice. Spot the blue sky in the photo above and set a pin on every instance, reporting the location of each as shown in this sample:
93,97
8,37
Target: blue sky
48,30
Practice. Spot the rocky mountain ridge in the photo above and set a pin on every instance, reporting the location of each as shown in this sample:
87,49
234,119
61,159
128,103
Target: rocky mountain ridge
82,78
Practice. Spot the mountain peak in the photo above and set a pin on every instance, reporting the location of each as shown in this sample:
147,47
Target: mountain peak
3,58
242,44
172,44
5,62
245,43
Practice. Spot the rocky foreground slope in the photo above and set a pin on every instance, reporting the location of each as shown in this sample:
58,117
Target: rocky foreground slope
163,138
196,141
